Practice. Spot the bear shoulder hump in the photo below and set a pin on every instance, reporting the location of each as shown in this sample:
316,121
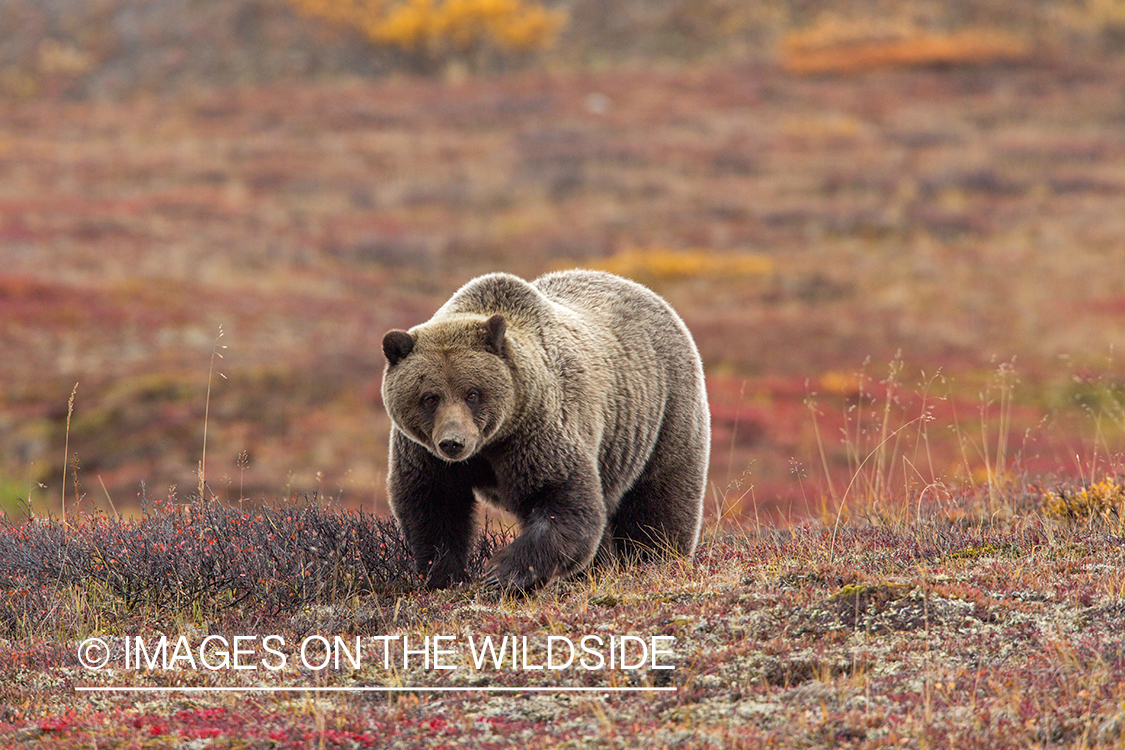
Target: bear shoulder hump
500,293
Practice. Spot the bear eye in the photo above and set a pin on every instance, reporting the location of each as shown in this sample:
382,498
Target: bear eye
430,400
473,396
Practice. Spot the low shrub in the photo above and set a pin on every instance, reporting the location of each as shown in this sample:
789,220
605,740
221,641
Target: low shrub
205,556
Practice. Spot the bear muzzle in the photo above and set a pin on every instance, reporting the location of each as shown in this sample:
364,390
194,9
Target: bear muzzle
454,436
452,445
455,441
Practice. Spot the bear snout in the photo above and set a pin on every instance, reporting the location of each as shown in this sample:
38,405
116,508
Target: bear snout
454,435
452,445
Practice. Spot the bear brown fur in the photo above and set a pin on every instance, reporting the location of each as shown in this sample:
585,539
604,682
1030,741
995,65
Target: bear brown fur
575,402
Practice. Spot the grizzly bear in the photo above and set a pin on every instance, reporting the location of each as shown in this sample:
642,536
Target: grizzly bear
576,402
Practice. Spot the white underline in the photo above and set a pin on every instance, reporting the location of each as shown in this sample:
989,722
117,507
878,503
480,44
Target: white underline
367,689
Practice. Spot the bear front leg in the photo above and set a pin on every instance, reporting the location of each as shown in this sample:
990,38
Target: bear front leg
561,527
433,505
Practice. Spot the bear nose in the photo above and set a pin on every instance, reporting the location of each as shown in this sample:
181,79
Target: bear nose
452,445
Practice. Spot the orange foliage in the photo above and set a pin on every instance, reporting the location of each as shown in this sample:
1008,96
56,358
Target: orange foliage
833,46
662,264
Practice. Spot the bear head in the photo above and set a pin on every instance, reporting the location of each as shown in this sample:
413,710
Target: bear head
448,384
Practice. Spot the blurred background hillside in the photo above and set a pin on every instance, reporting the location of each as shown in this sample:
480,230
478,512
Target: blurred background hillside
107,48
866,211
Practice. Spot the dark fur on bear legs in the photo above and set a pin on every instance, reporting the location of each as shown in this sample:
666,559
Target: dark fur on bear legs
561,524
561,529
440,543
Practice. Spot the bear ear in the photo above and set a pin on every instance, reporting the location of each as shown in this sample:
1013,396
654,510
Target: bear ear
494,330
397,345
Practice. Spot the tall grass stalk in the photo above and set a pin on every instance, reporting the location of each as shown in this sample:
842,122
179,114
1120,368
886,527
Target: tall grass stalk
884,467
874,484
811,405
66,448
878,451
876,440
995,463
109,499
207,409
1104,401
734,430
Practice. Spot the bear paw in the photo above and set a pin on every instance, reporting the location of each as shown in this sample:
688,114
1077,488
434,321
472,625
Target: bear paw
444,573
509,572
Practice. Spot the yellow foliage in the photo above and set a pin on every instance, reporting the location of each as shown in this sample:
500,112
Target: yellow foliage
408,24
840,383
1104,499
666,265
1095,15
433,30
55,57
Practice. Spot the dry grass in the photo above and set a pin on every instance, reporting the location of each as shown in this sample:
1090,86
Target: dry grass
944,628
914,614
